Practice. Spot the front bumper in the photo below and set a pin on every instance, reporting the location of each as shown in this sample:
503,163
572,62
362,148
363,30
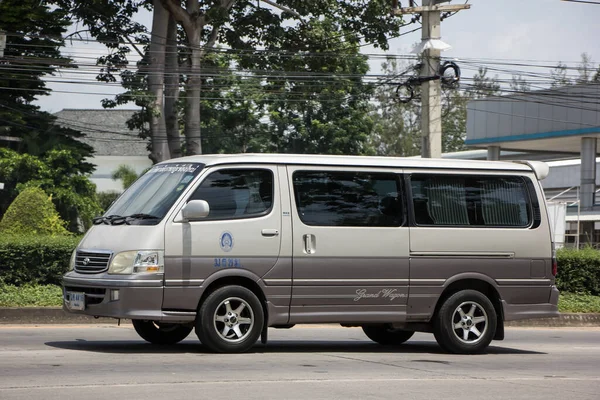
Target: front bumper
514,312
137,298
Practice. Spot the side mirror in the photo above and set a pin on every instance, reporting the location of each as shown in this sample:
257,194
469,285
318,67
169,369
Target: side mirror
194,210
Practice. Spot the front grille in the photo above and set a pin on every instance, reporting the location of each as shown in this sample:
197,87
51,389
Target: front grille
87,262
92,295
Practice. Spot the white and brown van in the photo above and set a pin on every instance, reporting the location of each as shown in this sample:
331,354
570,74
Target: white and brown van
230,245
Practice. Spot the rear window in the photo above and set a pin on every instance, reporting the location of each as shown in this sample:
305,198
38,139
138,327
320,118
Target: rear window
457,200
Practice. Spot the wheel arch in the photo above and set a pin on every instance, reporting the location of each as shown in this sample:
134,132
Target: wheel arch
236,278
481,283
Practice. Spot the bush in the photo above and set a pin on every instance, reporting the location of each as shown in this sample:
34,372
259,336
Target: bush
61,173
579,271
35,259
105,199
30,296
126,174
32,213
578,303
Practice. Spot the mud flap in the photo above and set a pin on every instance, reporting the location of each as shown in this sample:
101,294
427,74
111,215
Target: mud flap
264,334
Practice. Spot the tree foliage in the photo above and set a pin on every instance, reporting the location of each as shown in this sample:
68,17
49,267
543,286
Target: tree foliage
398,125
32,213
34,38
586,73
125,174
59,174
287,37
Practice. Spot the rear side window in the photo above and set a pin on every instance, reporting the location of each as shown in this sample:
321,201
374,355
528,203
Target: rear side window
448,200
237,193
339,198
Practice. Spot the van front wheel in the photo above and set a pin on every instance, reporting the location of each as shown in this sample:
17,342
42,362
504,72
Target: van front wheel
230,320
159,332
465,323
386,335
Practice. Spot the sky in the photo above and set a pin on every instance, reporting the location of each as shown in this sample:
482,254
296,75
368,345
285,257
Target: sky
541,30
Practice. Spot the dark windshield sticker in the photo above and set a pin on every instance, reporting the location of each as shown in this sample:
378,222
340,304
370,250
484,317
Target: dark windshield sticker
172,168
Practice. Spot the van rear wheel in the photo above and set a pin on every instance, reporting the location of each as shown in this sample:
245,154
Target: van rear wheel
465,323
230,320
386,334
159,332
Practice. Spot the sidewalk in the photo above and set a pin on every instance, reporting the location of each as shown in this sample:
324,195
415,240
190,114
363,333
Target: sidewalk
49,315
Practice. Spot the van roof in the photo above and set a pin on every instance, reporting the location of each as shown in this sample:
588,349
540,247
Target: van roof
395,162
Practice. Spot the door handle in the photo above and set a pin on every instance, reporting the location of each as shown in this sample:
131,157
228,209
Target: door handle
310,243
270,232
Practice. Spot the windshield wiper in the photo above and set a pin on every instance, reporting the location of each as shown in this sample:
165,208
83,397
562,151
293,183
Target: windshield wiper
128,218
142,216
105,220
120,220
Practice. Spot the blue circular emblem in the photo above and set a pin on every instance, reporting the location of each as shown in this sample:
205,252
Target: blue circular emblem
226,242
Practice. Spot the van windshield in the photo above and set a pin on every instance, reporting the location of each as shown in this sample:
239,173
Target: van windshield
148,200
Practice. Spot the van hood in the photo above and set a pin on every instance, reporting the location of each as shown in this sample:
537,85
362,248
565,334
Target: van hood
118,238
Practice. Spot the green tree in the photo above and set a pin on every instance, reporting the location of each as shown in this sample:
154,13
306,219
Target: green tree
326,112
587,72
244,26
519,84
398,128
125,174
32,51
57,173
32,213
233,115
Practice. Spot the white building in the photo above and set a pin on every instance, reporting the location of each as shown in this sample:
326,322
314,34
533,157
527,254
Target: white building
114,144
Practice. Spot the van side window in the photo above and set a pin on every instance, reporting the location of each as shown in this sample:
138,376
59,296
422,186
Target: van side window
332,198
450,200
237,193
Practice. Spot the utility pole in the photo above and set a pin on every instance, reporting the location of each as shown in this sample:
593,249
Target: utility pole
2,40
431,47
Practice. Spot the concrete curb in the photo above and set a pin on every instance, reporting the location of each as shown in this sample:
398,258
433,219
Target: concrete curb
52,315
564,320
46,315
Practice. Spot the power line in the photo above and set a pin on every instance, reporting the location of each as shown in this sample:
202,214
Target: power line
583,1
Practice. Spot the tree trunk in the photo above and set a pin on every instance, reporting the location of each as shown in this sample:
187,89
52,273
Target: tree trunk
193,21
192,90
158,127
172,90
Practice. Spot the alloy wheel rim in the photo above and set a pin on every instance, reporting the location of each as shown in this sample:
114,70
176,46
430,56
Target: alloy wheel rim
233,319
469,322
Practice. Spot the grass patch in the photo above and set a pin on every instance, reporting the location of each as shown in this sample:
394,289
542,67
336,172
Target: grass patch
51,296
578,303
30,296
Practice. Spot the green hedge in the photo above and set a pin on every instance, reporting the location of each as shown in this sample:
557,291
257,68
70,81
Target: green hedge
43,260
35,259
579,271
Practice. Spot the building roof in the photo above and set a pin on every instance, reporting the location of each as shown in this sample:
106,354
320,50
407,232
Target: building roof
393,162
105,130
550,120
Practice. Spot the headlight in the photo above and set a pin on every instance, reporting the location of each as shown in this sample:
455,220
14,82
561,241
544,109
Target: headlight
149,261
72,261
137,262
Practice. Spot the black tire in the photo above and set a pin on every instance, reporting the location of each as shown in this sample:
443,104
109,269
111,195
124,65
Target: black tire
159,332
468,330
386,335
219,326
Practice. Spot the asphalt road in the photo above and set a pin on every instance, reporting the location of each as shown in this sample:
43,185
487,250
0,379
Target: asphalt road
322,362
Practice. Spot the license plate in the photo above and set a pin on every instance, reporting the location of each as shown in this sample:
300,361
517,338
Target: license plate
76,300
